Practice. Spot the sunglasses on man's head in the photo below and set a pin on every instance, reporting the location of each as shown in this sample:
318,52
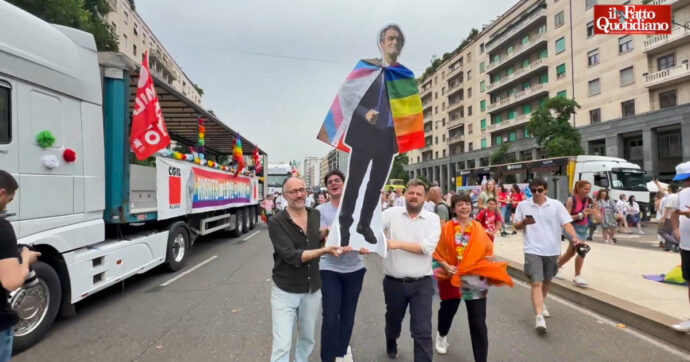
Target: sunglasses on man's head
537,191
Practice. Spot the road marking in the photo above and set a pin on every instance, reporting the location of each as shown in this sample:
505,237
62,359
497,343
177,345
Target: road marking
189,271
250,236
606,320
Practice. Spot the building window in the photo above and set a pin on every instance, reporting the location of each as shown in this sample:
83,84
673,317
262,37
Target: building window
124,41
559,19
625,44
435,95
595,116
436,140
512,136
527,109
5,124
436,110
594,87
544,78
469,111
665,62
511,114
526,85
593,57
497,58
443,75
469,74
525,40
469,92
444,153
509,50
525,63
543,54
482,86
483,124
136,29
510,71
497,119
469,147
562,94
436,154
560,71
469,57
627,76
482,106
527,136
670,146
497,140
481,48
590,3
560,45
481,67
134,49
125,18
483,142
443,91
628,108
590,29
667,99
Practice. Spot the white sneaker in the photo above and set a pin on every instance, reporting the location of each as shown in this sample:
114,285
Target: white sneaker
682,326
580,281
540,324
441,344
545,312
559,275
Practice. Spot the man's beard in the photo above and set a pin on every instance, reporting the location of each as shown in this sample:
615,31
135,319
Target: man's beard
413,210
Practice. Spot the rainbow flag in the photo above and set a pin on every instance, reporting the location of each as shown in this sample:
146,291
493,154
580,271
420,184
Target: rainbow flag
405,105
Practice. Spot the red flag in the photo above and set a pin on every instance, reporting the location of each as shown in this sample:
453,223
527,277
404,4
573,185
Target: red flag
257,160
148,133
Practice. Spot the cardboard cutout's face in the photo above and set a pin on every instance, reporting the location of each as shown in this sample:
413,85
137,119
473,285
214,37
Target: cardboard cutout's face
392,44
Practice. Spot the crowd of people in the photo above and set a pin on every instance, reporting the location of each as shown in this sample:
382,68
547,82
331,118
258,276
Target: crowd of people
443,238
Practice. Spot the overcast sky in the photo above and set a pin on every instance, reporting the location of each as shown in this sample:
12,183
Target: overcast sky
270,68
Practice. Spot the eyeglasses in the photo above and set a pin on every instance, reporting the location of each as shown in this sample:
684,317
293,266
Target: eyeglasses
538,191
297,191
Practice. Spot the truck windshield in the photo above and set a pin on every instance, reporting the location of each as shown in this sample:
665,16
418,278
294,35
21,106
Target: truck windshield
632,180
276,180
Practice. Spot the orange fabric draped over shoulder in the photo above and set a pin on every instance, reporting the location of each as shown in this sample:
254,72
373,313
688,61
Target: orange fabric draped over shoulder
474,260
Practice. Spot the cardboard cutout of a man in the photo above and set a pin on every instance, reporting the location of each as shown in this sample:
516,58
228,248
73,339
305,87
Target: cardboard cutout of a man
376,114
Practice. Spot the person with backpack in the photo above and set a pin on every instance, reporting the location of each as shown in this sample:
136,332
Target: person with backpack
440,207
580,207
490,218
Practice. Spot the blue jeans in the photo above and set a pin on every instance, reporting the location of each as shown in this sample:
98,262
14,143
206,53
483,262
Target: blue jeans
505,212
340,296
285,309
6,339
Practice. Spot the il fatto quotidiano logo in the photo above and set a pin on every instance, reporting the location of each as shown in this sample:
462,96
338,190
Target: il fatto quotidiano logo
632,19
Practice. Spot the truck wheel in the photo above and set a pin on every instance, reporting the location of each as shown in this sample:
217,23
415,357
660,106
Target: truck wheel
245,220
178,246
252,218
36,306
239,225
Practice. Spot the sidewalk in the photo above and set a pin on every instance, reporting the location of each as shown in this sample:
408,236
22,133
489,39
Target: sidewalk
616,286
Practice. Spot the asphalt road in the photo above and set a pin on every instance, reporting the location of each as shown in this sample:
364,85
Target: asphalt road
220,311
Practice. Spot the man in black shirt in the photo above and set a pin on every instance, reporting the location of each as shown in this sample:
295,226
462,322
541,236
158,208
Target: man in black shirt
14,267
296,292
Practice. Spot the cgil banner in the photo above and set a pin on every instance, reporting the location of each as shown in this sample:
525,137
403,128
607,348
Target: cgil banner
184,188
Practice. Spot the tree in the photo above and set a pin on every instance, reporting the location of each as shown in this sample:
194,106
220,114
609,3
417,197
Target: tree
550,125
198,89
398,169
423,179
501,155
86,15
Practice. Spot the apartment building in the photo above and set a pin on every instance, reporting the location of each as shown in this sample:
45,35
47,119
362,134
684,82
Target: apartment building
634,90
311,171
135,37
335,159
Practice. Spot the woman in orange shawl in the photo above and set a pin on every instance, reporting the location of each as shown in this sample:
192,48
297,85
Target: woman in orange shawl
466,270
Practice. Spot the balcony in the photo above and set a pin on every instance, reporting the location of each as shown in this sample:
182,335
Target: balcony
512,33
455,124
516,77
426,105
662,78
423,91
453,71
454,89
508,123
518,51
528,94
674,3
161,66
454,106
663,42
456,138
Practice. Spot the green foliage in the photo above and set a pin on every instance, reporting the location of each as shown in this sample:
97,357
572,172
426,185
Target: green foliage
501,155
550,125
398,169
198,89
86,15
438,61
